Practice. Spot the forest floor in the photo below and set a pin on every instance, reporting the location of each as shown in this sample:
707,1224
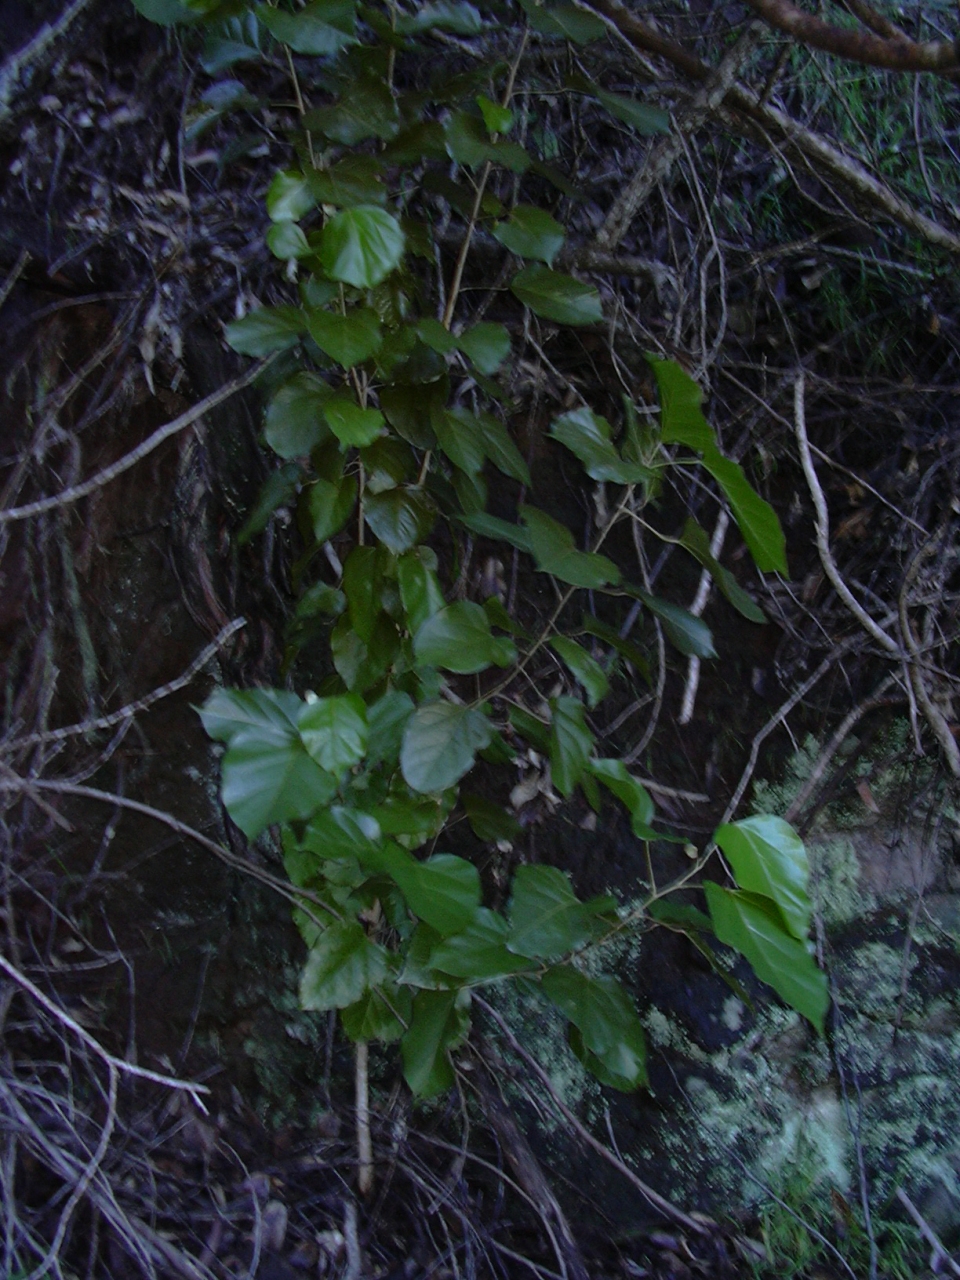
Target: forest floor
165,1107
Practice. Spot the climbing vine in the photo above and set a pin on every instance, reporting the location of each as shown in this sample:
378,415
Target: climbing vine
389,412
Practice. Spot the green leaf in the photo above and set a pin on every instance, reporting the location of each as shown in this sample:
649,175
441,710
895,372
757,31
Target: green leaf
479,953
458,434
616,778
688,634
352,180
564,20
376,1015
289,196
419,591
399,517
488,526
528,726
436,337
604,1015
488,821
267,330
587,435
338,833
584,669
386,721
558,297
439,1023
531,233
329,506
571,743
753,926
334,732
342,964
497,119
698,544
458,638
351,424
645,119
229,42
554,551
468,143
387,463
755,518
348,339
229,712
594,627
361,665
323,27
366,110
294,422
444,891
500,449
547,919
439,745
361,585
361,245
487,345
681,418
456,16
286,240
767,857
409,410
278,489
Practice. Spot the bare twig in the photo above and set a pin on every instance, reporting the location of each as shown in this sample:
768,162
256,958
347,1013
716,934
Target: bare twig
928,1232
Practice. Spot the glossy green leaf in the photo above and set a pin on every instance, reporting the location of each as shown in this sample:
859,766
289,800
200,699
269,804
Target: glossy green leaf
499,448
338,832
400,517
604,1015
361,665
456,16
768,857
554,551
433,333
616,778
556,296
698,544
755,518
444,891
323,27
294,422
571,743
488,821
386,720
342,964
487,345
352,180
458,434
268,777
645,119
387,463
229,42
754,926
528,726
164,12
267,330
439,1023
479,953
329,506
348,339
286,240
688,634
361,245
409,410
229,712
334,732
351,424
681,418
289,196
584,669
377,1014
497,119
458,638
440,743
546,917
419,590
531,233
488,526
588,435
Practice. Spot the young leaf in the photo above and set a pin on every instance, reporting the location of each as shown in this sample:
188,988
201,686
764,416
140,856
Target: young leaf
400,517
531,233
584,669
439,745
334,732
351,424
361,246
547,919
497,119
554,551
753,925
587,435
458,638
616,778
342,964
437,338
767,857
348,339
604,1015
438,1024
487,345
323,27
571,743
294,422
558,297
479,953
267,330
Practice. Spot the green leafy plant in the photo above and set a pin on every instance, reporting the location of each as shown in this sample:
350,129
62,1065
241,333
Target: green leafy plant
388,419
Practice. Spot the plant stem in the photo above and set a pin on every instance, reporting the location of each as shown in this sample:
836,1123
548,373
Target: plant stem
364,1142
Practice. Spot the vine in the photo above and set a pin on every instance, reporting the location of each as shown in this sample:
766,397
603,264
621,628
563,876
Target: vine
388,411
